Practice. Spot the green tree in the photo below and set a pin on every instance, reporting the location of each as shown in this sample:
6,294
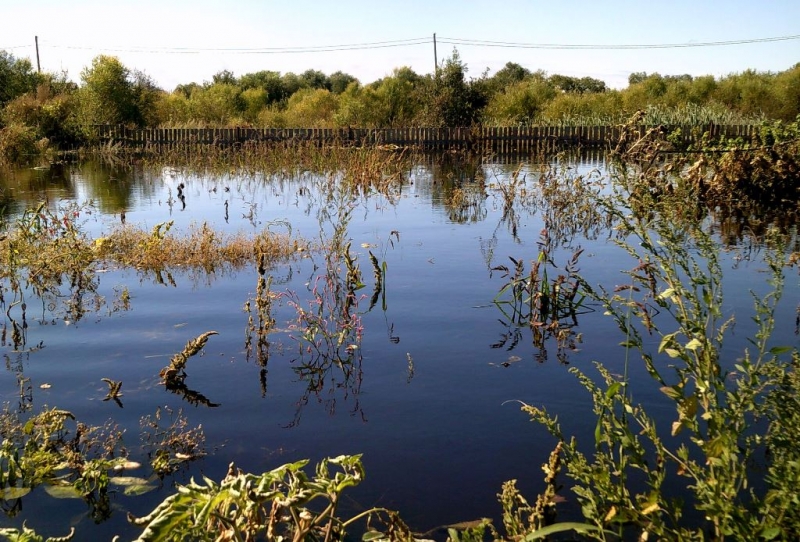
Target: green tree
787,91
110,93
339,81
254,101
315,79
508,75
218,104
448,99
270,81
292,83
311,108
395,96
225,77
358,107
16,77
521,102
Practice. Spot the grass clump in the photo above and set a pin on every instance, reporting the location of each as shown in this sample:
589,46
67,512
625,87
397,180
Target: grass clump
201,248
47,254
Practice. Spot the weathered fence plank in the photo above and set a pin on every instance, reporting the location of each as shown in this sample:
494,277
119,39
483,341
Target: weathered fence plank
492,139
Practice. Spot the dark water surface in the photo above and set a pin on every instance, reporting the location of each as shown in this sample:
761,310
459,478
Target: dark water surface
439,433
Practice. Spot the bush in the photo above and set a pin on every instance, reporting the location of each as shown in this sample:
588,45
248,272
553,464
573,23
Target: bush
19,144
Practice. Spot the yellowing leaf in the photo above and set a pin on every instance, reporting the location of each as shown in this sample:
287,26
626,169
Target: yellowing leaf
650,509
694,344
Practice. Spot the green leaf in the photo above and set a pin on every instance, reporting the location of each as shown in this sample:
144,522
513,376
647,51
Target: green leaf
666,340
672,393
669,292
613,389
372,535
581,528
771,533
777,350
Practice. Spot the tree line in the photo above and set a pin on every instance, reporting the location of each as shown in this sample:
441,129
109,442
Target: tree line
35,107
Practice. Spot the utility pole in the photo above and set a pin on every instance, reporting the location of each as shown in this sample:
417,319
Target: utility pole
435,58
38,66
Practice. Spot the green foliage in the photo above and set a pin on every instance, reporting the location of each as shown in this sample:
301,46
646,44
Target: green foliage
29,535
448,99
51,112
566,83
38,451
521,102
675,293
282,504
339,81
112,94
216,105
18,144
16,77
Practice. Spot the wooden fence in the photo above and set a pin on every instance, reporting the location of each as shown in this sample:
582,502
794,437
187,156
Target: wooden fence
500,140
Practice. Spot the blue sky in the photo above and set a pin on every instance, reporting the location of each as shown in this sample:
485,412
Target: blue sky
183,41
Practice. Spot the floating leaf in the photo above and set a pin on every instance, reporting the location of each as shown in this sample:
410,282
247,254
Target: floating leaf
127,480
62,492
127,465
139,489
11,493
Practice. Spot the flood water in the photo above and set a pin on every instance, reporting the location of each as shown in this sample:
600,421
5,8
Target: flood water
431,397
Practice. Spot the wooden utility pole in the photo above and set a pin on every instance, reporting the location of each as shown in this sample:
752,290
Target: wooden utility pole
38,66
435,58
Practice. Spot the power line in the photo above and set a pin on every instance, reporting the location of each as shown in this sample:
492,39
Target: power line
410,42
567,46
255,50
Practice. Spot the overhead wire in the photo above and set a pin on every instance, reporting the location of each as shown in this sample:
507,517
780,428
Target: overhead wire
411,42
568,46
256,50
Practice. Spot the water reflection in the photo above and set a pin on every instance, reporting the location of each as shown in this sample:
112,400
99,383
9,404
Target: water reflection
357,265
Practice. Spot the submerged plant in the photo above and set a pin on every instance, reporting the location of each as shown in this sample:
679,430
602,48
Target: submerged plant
175,371
169,441
549,307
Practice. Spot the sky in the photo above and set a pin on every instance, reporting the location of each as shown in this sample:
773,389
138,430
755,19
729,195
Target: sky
177,42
